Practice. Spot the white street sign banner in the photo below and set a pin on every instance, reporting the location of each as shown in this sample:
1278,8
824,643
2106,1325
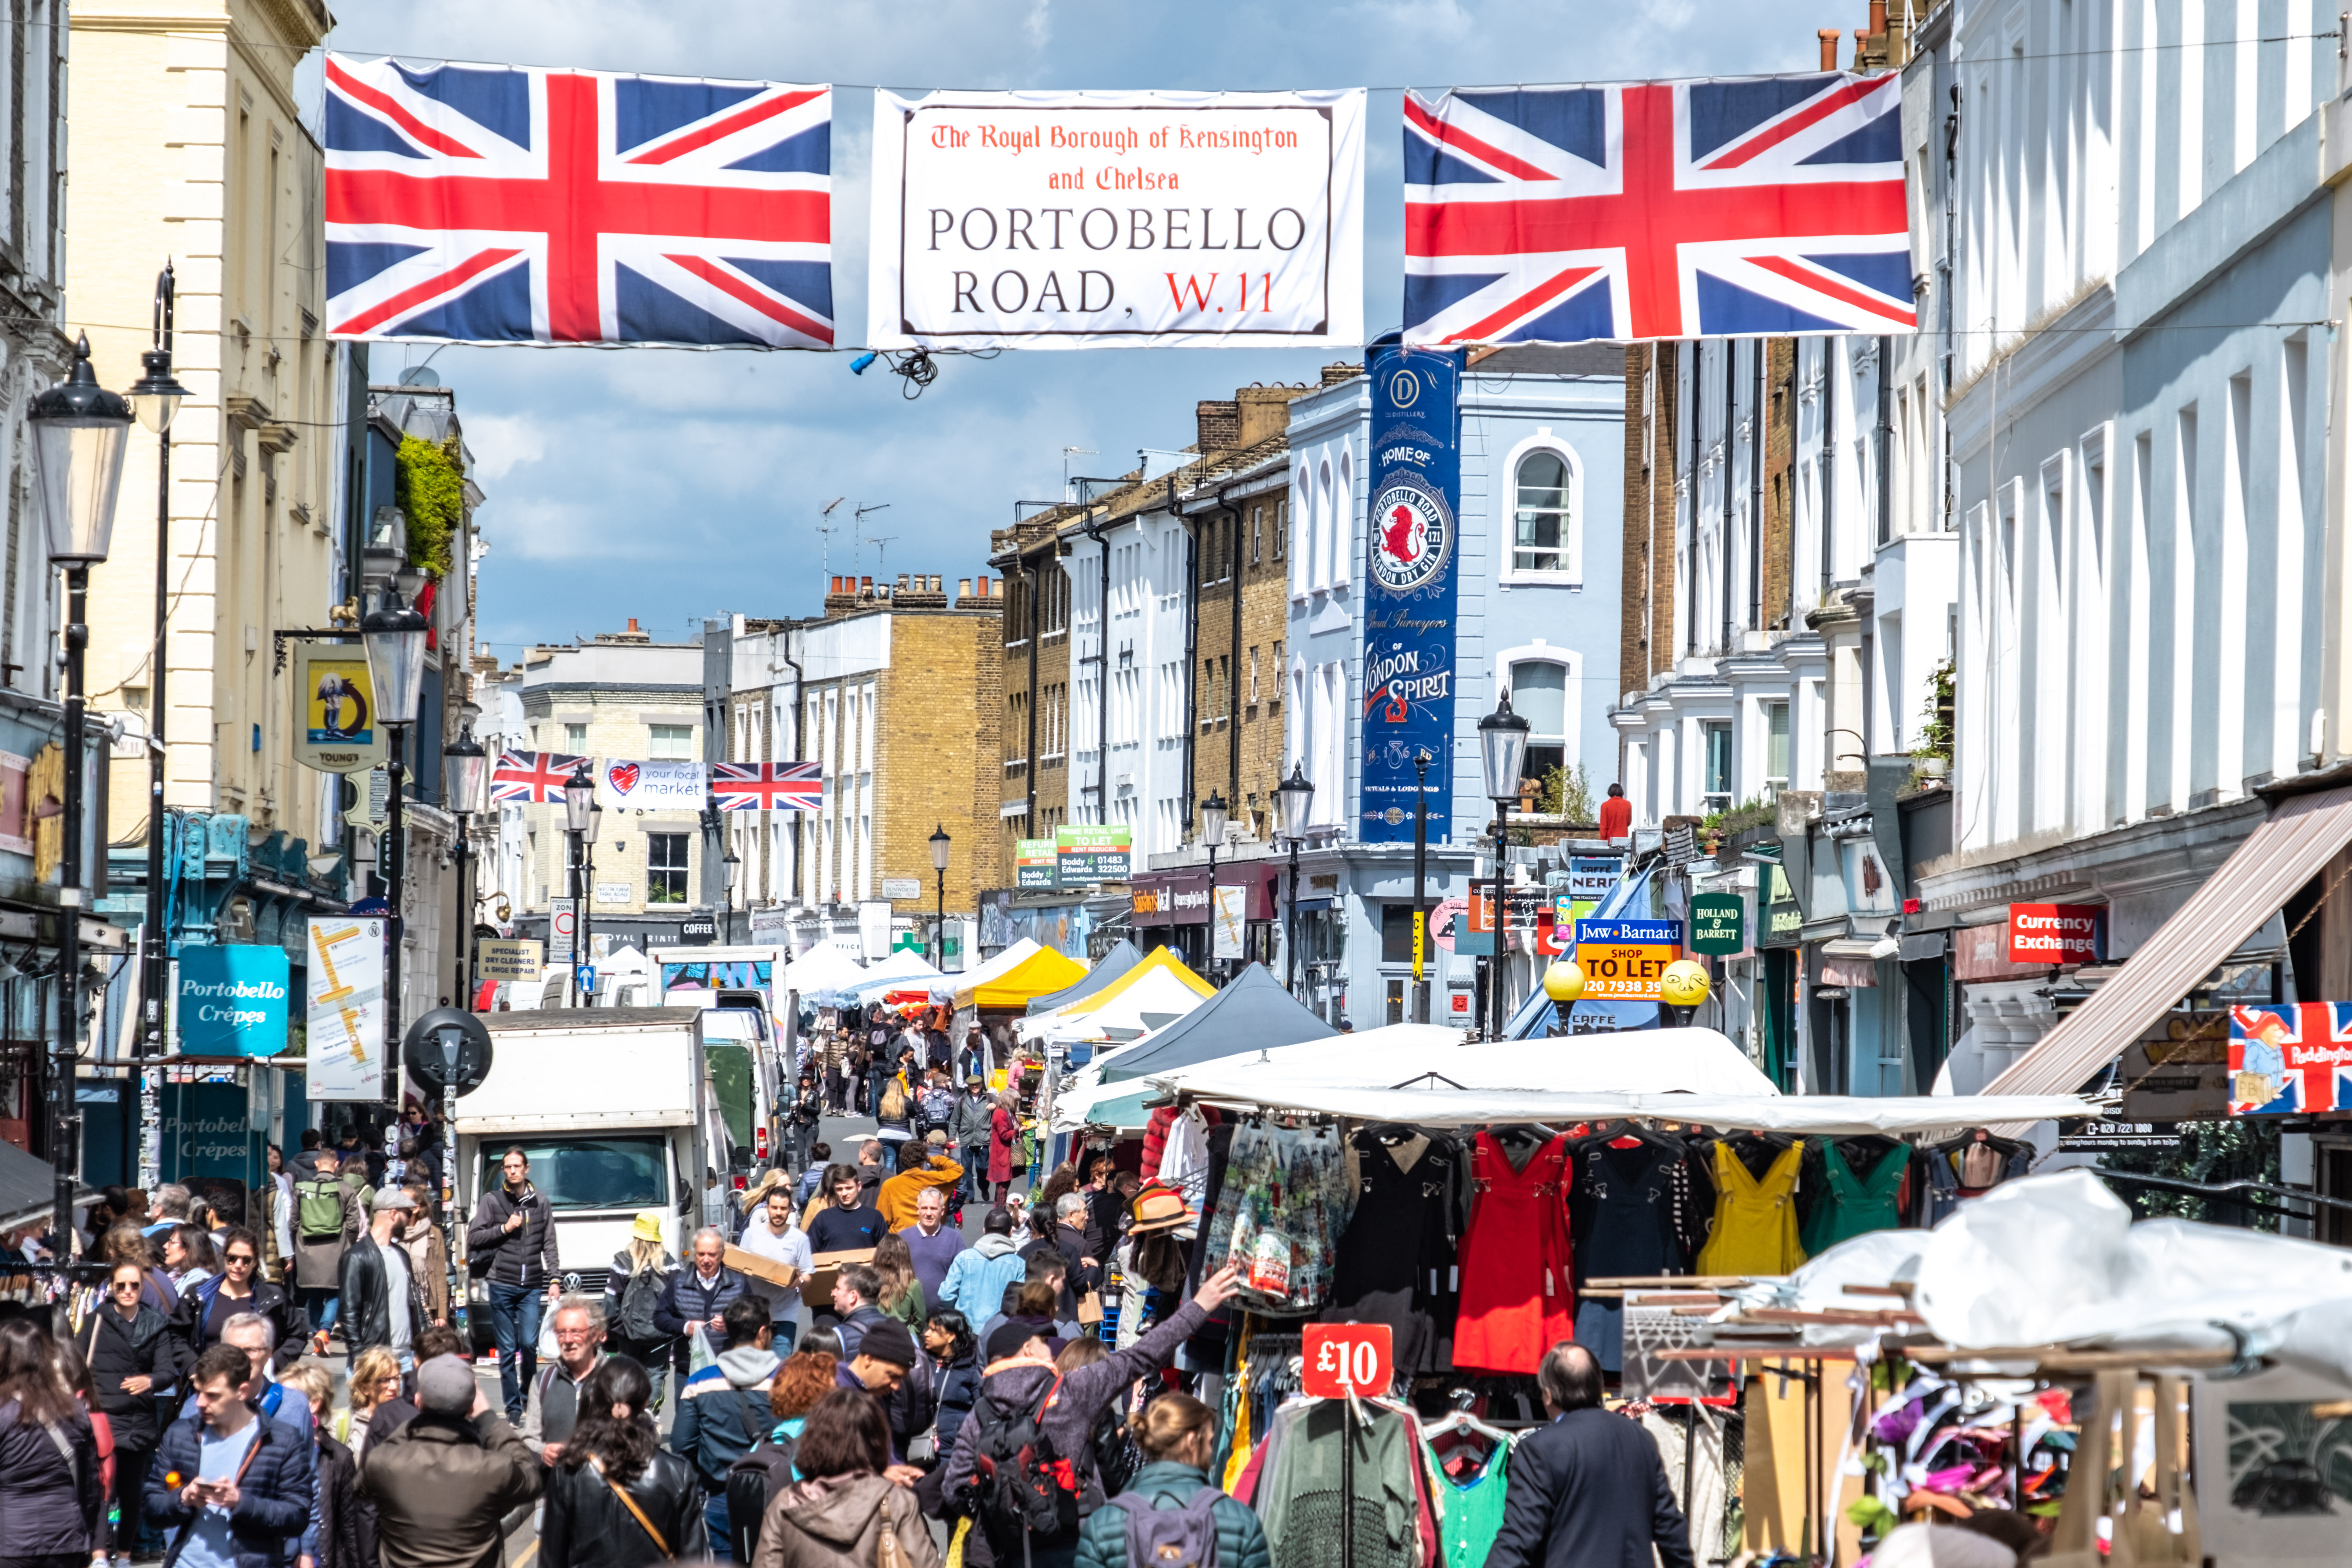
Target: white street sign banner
873,930
1228,920
625,786
345,1045
1066,220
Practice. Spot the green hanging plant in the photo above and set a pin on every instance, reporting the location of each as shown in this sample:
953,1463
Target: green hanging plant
429,486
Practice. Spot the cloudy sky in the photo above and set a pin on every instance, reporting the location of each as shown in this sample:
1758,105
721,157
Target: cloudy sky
671,486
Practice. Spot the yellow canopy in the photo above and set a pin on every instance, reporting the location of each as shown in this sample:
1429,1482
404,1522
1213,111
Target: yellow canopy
1040,973
1158,958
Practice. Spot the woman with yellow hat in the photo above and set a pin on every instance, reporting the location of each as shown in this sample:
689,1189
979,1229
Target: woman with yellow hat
641,1272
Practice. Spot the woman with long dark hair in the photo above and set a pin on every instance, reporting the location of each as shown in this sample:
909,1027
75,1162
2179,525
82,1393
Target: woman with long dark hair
51,1492
206,1306
189,1257
836,1516
618,1498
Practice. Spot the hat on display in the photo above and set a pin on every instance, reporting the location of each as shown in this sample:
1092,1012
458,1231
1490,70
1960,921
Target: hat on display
647,1228
1158,1206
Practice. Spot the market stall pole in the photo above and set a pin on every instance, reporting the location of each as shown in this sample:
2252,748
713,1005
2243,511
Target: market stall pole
1291,801
1215,813
1502,753
1421,761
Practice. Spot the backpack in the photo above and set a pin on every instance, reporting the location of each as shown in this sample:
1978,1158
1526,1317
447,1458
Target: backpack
1182,1537
639,1297
319,1209
939,1106
763,1471
1023,1487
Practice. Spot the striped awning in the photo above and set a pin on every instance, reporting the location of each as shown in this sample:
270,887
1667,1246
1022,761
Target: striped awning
2286,851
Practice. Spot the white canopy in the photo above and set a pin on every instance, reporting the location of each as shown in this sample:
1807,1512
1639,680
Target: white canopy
905,970
623,960
822,970
1428,1057
1156,999
1004,963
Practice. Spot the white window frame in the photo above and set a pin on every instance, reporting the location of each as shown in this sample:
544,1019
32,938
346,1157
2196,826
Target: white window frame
653,749
1508,661
1570,575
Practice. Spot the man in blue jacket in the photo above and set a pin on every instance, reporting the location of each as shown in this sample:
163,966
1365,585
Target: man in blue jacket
699,1297
723,1409
1590,1488
243,1482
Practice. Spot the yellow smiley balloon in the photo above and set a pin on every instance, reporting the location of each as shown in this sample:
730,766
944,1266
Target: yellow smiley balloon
1683,985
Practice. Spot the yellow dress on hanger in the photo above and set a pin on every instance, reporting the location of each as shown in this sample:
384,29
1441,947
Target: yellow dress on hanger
1755,1221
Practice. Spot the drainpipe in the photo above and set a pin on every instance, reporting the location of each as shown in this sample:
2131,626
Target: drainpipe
785,644
1756,425
1035,573
1829,456
1885,442
1102,671
1730,396
1191,649
1690,490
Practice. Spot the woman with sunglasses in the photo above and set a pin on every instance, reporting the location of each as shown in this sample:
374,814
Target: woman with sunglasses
239,1286
133,1361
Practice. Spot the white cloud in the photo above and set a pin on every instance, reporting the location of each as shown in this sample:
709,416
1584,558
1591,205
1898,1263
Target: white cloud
501,443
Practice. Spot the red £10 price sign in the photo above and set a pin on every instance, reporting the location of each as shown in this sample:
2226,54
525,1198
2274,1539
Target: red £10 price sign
1347,1357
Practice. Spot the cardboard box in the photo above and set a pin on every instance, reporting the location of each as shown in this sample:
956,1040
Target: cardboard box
759,1268
824,1272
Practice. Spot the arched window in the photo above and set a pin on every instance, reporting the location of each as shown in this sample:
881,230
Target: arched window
1544,535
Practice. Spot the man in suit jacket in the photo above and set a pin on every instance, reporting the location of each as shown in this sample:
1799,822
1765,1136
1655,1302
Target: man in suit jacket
1589,1490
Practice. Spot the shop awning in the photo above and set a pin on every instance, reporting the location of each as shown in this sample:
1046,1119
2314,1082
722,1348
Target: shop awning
1254,1013
28,1188
822,971
2286,851
1011,987
1123,956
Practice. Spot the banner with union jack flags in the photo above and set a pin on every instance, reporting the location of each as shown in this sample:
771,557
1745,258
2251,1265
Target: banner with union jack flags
533,778
1724,208
484,204
765,786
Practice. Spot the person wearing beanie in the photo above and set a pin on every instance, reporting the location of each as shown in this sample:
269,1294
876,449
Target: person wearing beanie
885,1356
443,1483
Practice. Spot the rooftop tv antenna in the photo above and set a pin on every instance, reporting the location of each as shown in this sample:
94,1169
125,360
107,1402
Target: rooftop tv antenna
825,532
879,544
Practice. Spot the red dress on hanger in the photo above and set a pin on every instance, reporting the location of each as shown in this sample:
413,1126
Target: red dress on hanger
1515,1295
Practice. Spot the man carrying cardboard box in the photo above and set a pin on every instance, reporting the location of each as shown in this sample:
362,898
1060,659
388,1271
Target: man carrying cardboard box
777,1246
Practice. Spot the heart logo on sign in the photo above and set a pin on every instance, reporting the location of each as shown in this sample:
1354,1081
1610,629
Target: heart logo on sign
622,777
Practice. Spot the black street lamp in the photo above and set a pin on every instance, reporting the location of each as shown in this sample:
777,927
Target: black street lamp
156,398
1214,815
580,814
394,635
733,864
939,869
1421,761
466,772
79,434
1502,754
1291,799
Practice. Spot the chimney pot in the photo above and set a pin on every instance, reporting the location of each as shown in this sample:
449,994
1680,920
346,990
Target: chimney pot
1877,17
963,587
1829,38
633,625
866,584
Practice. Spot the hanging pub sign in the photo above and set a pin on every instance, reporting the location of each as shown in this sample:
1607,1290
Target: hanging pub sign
2291,1060
1411,580
1718,924
1064,220
336,730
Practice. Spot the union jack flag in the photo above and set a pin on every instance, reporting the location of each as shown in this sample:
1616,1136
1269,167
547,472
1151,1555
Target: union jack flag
534,778
493,204
766,786
1734,208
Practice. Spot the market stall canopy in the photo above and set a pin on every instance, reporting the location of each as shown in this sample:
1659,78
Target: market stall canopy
824,969
1431,1102
1155,1001
1253,1014
2290,848
28,1189
1123,956
1402,1056
623,961
1163,965
999,986
905,970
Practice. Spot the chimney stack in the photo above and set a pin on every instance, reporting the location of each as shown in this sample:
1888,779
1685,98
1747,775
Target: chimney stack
1829,38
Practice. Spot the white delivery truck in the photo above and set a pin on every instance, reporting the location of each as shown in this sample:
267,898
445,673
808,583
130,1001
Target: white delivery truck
615,1109
736,987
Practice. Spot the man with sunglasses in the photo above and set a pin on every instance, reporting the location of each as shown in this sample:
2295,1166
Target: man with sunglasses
240,1286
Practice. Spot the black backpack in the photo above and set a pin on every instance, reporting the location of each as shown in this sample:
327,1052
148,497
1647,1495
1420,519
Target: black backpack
764,1471
1021,1487
639,1297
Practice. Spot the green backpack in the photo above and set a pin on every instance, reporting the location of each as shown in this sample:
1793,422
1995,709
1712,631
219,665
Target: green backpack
319,1208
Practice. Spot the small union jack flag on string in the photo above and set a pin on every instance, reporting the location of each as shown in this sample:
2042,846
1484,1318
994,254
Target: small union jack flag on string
1731,208
766,786
494,205
533,778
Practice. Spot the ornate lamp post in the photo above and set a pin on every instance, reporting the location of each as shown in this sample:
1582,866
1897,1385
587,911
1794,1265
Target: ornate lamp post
79,434
580,814
1292,798
394,635
1214,815
940,871
466,774
1502,753
156,398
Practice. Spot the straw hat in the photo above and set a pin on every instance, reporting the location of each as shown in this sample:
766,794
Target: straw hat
1158,1206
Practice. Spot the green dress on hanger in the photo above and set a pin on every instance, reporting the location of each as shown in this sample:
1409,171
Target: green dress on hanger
1469,1513
1856,1205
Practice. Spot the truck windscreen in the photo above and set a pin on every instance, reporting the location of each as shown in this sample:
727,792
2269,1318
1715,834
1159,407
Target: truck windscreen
591,1172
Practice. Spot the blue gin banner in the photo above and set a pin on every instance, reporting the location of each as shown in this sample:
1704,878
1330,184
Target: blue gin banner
1409,606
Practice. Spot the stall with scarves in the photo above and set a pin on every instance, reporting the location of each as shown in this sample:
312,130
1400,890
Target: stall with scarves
1483,1202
